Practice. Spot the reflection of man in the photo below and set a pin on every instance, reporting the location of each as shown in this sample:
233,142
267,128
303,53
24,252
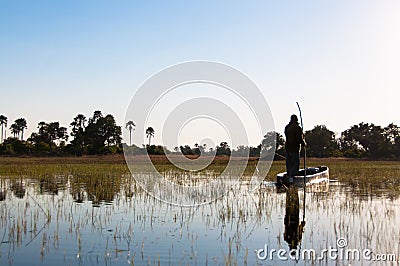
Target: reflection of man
293,230
294,140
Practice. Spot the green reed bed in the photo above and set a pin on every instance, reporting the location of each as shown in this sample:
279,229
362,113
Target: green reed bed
355,173
374,174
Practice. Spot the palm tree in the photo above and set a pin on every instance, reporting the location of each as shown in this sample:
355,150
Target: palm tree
78,123
21,125
3,122
130,126
14,130
150,133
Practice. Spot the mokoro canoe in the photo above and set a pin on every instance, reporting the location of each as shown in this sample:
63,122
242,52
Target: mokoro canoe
313,175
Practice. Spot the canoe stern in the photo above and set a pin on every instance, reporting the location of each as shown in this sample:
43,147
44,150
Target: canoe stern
312,174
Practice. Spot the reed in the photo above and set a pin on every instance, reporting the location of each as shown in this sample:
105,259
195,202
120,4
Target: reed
98,208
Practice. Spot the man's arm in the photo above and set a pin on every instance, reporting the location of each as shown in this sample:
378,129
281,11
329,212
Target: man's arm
302,139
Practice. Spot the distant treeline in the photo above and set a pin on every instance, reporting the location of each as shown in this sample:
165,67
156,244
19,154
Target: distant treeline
99,135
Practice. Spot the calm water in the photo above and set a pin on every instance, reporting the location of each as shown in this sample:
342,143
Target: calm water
72,222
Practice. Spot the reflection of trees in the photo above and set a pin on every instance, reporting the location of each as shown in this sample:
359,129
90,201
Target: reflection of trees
3,192
18,188
78,196
97,188
293,228
47,185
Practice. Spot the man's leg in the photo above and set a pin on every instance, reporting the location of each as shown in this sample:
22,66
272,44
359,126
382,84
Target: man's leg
296,162
288,158
291,163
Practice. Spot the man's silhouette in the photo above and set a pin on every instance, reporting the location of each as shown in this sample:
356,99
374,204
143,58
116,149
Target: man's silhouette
294,141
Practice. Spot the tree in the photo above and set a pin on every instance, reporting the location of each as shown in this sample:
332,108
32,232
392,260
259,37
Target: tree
110,131
131,127
197,149
79,124
14,130
186,150
3,123
223,149
96,117
271,139
321,142
149,133
22,125
18,127
15,146
78,130
101,133
392,134
155,150
368,138
92,137
47,135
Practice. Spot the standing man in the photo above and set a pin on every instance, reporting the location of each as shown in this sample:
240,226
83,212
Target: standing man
294,141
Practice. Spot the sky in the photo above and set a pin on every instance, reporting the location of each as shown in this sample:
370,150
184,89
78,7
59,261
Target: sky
339,59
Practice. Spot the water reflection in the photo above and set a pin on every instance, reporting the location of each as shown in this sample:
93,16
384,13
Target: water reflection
49,186
18,188
70,220
293,227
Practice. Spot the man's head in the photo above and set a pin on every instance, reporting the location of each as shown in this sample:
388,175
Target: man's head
293,118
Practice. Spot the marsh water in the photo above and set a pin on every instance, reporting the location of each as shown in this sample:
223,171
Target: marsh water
66,220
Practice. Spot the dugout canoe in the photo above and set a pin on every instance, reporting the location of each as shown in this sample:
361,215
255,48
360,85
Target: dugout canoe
313,175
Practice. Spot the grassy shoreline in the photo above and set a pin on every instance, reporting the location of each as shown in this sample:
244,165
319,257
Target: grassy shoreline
119,158
355,172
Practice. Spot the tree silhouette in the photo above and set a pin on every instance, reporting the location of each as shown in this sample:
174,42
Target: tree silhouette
111,132
3,122
321,142
78,124
186,150
369,138
392,134
223,149
14,130
48,134
149,134
78,130
17,128
100,133
130,126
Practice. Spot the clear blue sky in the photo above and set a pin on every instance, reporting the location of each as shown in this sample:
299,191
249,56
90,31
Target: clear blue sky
340,59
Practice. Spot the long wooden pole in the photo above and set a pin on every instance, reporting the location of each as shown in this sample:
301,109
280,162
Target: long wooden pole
305,152
305,173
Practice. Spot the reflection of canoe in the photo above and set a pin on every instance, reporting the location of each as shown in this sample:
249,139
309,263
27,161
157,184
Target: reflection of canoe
313,175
